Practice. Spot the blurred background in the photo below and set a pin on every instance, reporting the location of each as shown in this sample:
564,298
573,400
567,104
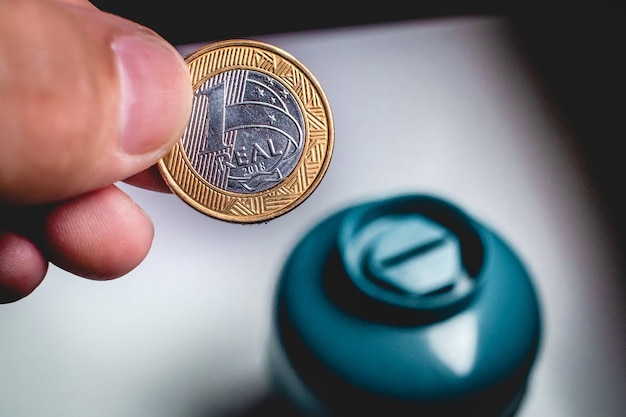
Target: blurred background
577,47
514,111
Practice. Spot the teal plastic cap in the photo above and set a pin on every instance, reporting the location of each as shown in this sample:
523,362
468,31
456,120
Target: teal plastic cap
405,306
412,253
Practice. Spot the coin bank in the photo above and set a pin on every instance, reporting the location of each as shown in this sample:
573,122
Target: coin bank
404,306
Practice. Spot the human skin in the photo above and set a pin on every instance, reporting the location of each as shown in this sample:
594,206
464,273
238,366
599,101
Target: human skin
87,99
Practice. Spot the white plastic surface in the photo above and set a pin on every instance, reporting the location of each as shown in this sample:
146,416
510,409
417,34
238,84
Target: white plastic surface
447,107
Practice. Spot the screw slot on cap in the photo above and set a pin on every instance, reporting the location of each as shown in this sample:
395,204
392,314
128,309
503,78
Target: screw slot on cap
411,253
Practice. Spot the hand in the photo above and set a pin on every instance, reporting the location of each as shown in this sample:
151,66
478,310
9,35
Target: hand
86,99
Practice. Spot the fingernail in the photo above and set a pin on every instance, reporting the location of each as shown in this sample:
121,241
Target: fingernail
155,96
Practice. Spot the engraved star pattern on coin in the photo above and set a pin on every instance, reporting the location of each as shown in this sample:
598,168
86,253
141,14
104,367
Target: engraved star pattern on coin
260,136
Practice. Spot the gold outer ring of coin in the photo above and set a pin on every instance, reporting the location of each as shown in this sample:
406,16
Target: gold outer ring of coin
318,136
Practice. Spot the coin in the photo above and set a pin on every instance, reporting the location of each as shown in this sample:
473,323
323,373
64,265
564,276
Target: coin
260,136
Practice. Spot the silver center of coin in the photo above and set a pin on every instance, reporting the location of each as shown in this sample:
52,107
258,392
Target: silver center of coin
246,132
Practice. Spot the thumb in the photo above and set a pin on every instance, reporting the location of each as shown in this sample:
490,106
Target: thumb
86,99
